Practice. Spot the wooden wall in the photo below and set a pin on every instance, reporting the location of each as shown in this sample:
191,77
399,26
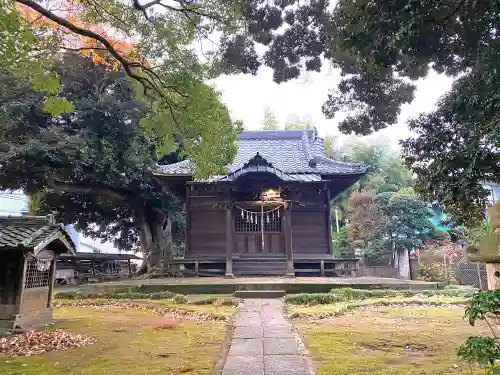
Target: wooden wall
205,224
205,221
309,232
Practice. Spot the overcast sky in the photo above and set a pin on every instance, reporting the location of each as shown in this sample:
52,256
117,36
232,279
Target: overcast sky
246,97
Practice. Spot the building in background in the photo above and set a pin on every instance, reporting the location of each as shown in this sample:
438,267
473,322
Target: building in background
15,203
495,191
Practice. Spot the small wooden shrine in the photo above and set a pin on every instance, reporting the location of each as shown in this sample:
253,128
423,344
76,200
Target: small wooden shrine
28,250
270,214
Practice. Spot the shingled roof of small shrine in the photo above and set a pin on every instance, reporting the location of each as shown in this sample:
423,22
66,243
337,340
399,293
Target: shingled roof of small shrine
31,233
297,152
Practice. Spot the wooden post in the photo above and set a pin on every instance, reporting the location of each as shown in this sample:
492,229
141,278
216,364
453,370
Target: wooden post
52,281
24,266
480,282
322,267
189,189
129,269
229,244
329,220
290,271
93,268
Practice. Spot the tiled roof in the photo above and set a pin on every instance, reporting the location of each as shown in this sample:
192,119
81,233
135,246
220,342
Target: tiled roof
294,152
31,233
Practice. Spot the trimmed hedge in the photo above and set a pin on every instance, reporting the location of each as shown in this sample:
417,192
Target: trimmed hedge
349,294
214,300
123,293
104,294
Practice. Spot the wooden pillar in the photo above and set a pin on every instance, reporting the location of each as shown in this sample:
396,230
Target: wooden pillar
329,220
22,287
129,269
187,210
229,243
290,272
52,281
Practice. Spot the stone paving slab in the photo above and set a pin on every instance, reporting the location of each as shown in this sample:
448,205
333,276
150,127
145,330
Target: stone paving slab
263,342
272,320
244,365
248,332
248,318
246,347
280,346
277,331
284,365
252,305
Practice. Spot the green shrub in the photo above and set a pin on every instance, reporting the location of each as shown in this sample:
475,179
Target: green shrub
214,300
313,299
162,295
180,298
348,294
124,289
66,295
100,294
128,295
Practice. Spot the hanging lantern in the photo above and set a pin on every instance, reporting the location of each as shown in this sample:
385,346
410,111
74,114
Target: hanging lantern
271,195
242,214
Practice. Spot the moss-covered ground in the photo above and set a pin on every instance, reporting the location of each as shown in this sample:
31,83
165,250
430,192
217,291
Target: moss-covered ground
409,340
129,342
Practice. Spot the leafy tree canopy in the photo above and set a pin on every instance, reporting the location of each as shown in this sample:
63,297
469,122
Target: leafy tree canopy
153,48
269,122
94,166
383,47
386,222
458,147
388,173
380,47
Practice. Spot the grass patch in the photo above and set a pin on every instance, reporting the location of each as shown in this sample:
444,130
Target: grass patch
392,341
129,342
219,311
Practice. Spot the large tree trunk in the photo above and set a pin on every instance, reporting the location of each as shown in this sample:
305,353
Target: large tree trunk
156,241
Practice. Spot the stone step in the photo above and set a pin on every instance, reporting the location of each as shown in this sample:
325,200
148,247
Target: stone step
259,293
261,286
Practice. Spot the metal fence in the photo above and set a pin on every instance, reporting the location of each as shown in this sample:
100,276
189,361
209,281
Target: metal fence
453,268
463,272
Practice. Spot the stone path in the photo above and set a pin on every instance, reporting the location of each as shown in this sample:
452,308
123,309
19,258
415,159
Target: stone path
263,342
